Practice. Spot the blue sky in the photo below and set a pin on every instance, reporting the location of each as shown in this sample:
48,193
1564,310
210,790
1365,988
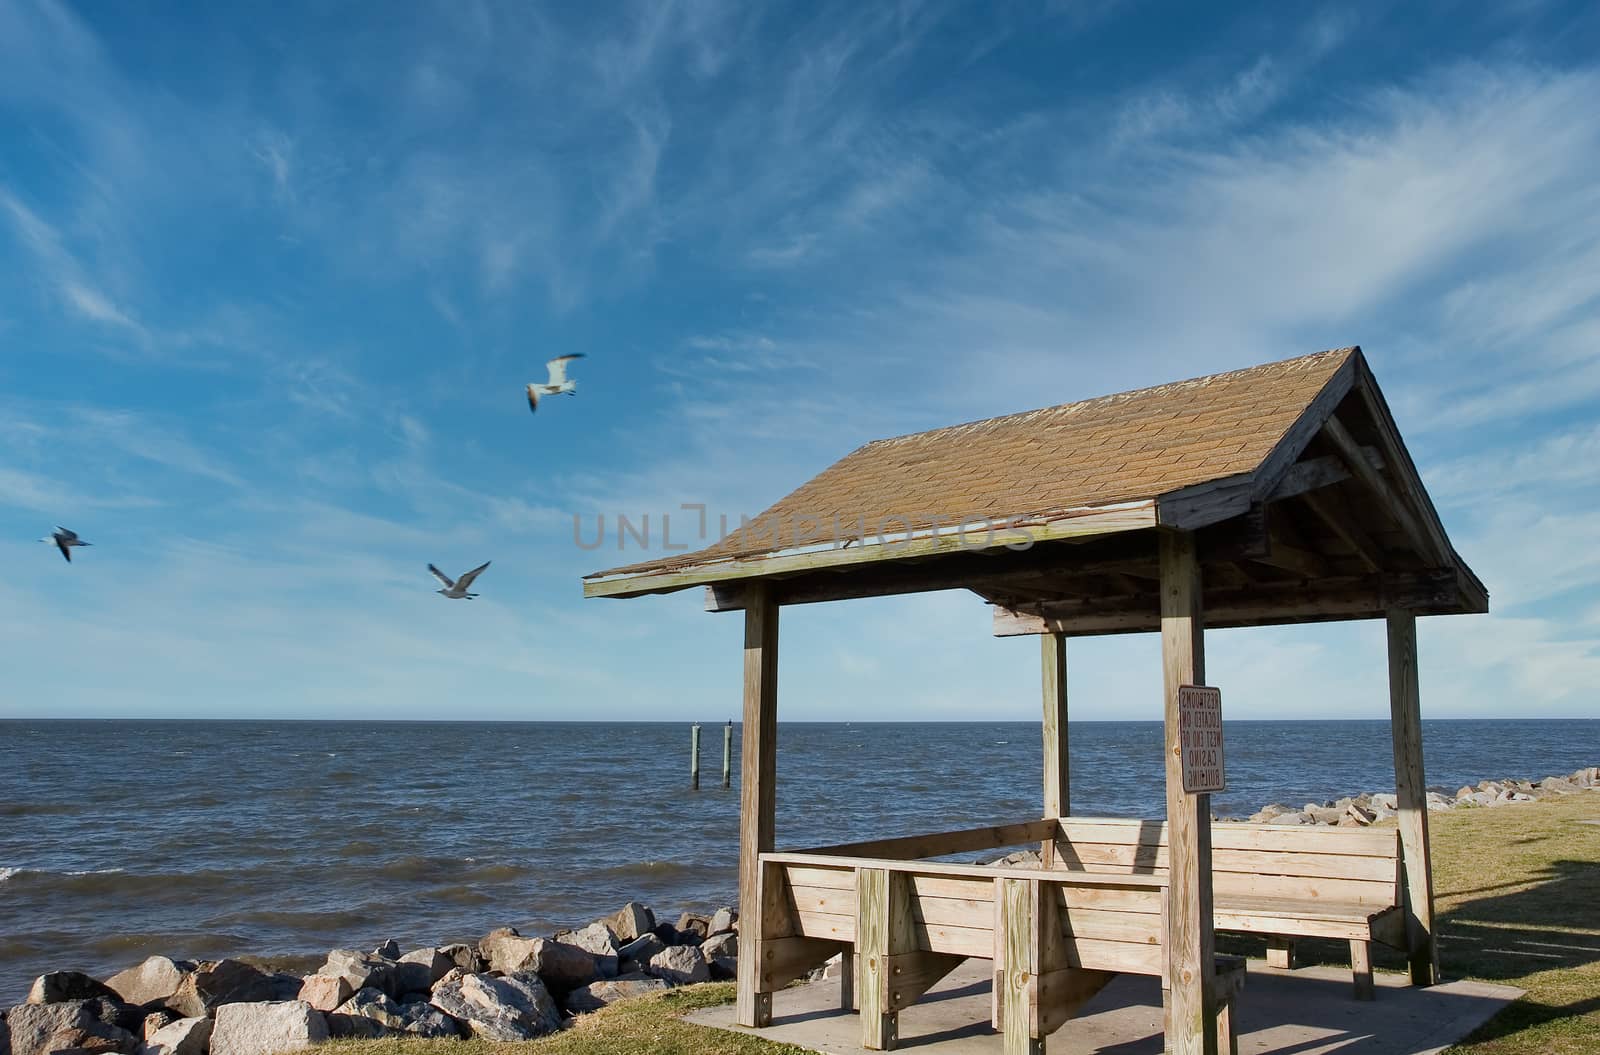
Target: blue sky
275,277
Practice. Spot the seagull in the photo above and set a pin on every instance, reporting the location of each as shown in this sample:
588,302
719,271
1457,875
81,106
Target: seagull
457,589
558,384
64,541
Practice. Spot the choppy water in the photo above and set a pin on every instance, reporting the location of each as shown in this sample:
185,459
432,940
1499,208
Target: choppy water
198,839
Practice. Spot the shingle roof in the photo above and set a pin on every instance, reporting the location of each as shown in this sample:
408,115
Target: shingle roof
1040,464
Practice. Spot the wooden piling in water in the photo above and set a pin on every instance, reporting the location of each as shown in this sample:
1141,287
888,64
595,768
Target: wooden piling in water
727,754
694,757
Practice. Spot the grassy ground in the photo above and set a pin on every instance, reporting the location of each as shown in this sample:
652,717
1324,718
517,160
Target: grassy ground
1518,893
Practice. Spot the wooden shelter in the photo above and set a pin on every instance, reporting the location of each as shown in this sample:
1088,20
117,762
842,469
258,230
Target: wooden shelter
1277,494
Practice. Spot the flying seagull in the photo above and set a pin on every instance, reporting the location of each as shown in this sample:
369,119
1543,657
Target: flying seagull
64,541
558,384
457,589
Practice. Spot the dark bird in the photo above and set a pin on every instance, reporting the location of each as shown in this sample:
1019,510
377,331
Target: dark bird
64,541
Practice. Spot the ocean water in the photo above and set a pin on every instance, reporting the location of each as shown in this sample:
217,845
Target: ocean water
120,839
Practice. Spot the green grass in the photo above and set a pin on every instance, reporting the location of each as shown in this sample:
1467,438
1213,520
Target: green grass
1518,897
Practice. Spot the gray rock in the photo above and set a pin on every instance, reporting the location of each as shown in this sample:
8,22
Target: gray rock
680,965
452,975
723,920
721,952
267,1028
60,986
361,970
1296,817
372,1013
389,950
212,984
463,956
640,949
515,1007
152,981
597,940
184,1036
595,995
325,991
505,950
631,921
1385,800
40,1029
691,923
417,971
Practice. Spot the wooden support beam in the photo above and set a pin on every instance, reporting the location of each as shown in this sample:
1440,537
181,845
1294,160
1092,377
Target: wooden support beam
1018,933
1315,473
1404,471
1397,506
1411,791
1057,764
1191,942
757,802
1338,518
883,932
1345,597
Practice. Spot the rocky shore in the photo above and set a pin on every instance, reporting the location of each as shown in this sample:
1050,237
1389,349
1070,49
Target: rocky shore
505,987
1368,808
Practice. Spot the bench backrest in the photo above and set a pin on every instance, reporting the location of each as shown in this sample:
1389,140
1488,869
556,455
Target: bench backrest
1102,927
1359,866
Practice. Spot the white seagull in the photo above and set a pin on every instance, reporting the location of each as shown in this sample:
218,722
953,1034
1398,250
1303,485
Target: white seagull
64,541
558,383
457,589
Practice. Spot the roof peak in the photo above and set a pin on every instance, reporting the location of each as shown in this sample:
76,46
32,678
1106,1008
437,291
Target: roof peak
1059,409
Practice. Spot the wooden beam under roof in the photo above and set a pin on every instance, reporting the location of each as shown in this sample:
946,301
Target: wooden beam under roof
1439,590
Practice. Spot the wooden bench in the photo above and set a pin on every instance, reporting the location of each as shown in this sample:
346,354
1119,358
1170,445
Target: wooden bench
1055,939
1281,881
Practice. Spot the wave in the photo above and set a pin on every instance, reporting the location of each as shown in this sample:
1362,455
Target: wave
7,873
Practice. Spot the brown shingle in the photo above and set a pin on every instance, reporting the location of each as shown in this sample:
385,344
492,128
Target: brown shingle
1131,446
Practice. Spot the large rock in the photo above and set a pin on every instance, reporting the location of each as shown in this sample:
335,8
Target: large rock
595,995
515,1007
389,950
693,927
597,940
454,974
186,1036
213,984
60,986
638,952
419,969
680,965
563,967
40,1029
153,981
463,956
362,970
721,952
155,1021
631,921
371,1013
325,991
267,1028
723,920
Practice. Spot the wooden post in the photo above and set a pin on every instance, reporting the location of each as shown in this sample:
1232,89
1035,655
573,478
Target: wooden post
1190,936
1018,904
727,754
883,927
757,797
1057,767
694,757
1411,794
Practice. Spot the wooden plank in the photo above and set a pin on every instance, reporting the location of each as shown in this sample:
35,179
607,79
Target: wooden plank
1280,953
953,912
1312,474
1294,838
835,878
911,974
757,802
825,926
826,900
1247,922
785,959
1379,871
1062,992
975,889
1131,516
939,844
1411,793
956,941
1114,925
1019,926
1407,480
882,928
939,868
1396,507
1190,941
1203,504
1366,596
1057,765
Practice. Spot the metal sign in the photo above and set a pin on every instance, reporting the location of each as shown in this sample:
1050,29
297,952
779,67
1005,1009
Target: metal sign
1200,739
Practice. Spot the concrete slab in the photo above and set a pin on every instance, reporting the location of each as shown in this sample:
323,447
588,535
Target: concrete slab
1307,1011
